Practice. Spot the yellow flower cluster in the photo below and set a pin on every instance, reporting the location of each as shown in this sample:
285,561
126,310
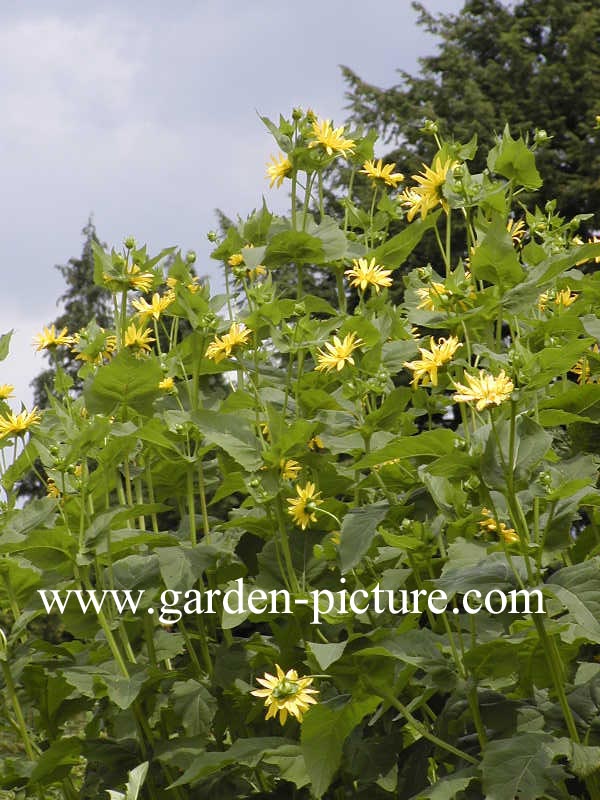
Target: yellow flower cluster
563,298
491,525
222,346
424,197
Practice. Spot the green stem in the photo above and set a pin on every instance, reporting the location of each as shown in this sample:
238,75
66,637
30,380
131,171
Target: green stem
12,693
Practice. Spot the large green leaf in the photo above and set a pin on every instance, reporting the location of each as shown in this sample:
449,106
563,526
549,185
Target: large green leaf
494,258
324,731
233,433
513,159
395,251
429,444
125,381
519,767
358,530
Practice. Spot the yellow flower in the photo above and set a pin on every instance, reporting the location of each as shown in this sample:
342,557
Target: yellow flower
138,280
582,368
386,174
433,296
563,298
426,367
316,443
491,525
332,140
338,353
52,489
289,469
235,260
156,307
167,384
222,346
18,423
93,346
366,273
285,693
486,390
138,338
302,508
278,170
49,338
428,194
517,230
256,272
6,390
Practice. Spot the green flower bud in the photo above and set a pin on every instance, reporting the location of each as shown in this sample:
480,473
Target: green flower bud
190,257
130,243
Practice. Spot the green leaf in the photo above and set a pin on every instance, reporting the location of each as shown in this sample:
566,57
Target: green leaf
294,247
56,762
447,788
519,767
5,344
331,236
125,381
582,401
494,258
429,444
324,731
358,530
394,252
327,654
234,434
515,161
136,778
248,752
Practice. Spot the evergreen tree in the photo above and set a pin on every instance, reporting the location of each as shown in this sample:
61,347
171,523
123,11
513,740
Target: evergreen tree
82,302
534,64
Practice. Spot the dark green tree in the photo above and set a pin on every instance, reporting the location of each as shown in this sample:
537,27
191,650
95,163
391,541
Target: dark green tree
534,64
82,301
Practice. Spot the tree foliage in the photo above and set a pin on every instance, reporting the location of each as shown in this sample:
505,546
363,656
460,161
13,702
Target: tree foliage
535,63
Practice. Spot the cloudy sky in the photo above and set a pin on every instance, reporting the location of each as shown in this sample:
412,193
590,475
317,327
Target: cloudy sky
145,116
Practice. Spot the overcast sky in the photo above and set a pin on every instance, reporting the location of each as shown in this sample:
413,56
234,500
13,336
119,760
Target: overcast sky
145,116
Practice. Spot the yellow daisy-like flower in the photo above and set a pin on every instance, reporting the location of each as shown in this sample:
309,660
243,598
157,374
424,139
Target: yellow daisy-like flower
331,139
138,280
302,508
285,693
563,298
93,349
16,424
491,525
279,169
138,338
156,307
485,390
582,368
428,194
6,390
167,384
338,353
235,260
222,347
433,296
289,469
52,489
376,171
517,230
256,272
316,443
426,368
365,273
49,338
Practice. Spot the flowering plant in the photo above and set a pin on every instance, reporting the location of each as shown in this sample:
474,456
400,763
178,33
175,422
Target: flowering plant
331,428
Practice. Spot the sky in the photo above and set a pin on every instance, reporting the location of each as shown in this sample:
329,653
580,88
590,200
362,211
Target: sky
145,116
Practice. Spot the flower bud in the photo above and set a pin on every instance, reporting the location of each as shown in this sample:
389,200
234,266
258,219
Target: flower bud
190,257
430,127
129,243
